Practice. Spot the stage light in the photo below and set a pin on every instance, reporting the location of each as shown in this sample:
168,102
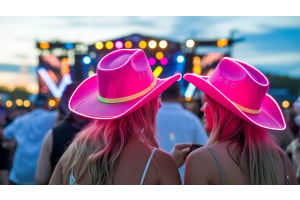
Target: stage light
69,45
8,103
65,66
44,45
109,45
159,55
128,44
99,45
196,60
163,44
51,103
152,61
142,44
26,103
180,59
157,71
56,91
86,60
93,54
189,92
164,61
197,69
285,104
19,102
152,44
119,44
91,73
222,43
190,43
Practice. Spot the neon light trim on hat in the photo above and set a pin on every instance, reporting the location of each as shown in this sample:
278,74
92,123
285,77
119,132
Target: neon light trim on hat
128,98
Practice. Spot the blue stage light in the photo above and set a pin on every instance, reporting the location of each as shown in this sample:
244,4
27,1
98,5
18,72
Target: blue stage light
69,45
180,58
86,60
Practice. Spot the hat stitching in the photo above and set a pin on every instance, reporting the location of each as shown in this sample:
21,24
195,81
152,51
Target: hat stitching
242,108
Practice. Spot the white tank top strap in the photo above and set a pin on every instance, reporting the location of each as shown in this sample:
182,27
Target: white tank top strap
147,166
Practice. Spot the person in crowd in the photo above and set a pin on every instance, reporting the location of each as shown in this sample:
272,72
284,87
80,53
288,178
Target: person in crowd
4,153
177,125
28,131
293,149
57,139
238,112
119,146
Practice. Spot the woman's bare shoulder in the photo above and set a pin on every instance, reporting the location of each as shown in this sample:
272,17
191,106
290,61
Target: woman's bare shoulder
166,167
163,157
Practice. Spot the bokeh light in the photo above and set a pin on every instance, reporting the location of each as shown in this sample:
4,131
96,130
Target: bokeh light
99,45
44,45
157,71
190,43
19,102
109,45
86,60
8,103
285,104
142,44
119,44
26,103
159,55
152,44
222,43
152,61
51,103
180,59
164,61
128,44
163,44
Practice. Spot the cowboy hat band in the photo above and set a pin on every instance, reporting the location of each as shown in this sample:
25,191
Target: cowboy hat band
130,97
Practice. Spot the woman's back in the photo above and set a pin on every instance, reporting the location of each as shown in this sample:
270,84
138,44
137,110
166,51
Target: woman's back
131,165
216,166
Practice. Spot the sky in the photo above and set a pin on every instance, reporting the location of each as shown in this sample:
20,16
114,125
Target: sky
271,43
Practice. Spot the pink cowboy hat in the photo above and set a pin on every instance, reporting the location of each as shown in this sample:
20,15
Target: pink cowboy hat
123,83
242,89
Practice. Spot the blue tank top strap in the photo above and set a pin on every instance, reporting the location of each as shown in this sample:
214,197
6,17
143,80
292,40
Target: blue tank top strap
147,166
72,180
218,163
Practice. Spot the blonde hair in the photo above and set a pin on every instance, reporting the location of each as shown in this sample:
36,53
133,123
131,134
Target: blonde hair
97,148
251,147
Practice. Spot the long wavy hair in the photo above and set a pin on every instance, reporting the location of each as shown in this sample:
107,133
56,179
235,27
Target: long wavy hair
251,147
97,147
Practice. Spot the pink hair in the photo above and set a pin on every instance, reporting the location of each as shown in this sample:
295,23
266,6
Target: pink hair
98,147
251,147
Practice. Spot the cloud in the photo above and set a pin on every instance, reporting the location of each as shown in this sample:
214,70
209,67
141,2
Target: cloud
17,78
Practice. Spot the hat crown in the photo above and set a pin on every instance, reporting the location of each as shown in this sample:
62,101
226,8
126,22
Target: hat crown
123,73
243,84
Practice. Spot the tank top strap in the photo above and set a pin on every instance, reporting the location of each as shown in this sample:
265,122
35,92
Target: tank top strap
218,164
72,180
147,166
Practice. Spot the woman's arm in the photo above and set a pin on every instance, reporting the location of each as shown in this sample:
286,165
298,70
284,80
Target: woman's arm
57,176
44,169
